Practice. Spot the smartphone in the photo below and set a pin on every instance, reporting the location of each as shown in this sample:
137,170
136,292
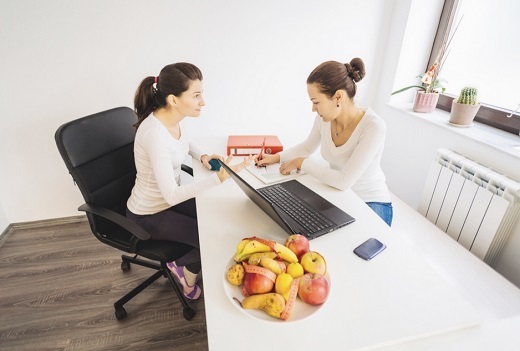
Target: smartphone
369,249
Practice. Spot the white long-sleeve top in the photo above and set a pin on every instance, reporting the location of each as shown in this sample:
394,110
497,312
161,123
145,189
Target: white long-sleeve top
158,159
355,164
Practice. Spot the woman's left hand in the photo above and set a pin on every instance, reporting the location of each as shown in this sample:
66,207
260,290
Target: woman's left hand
289,166
223,175
240,166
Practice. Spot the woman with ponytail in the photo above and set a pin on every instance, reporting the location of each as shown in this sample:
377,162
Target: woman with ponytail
159,202
351,138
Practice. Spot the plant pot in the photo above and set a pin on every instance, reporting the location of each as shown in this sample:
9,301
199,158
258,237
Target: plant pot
463,114
425,102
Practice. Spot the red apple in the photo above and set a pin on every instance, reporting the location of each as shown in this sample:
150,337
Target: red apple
313,289
255,283
298,244
313,262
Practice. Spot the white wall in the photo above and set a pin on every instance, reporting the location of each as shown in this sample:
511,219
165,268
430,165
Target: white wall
4,222
411,142
63,59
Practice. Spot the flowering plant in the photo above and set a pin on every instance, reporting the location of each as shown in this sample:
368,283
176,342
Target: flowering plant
431,83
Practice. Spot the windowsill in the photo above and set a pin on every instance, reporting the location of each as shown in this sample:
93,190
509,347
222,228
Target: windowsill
498,139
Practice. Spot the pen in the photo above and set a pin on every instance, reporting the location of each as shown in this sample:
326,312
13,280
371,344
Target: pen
261,152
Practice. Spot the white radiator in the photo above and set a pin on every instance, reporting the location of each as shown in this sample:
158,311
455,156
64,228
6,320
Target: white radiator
475,205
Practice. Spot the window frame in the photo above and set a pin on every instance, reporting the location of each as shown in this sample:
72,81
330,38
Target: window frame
491,115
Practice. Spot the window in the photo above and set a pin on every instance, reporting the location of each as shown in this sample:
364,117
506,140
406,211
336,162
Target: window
483,53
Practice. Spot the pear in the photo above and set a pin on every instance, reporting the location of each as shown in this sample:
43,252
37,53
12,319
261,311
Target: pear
271,303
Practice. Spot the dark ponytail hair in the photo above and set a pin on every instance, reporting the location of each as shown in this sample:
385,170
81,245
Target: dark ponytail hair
332,76
153,91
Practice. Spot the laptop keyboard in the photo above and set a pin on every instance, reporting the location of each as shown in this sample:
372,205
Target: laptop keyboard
296,209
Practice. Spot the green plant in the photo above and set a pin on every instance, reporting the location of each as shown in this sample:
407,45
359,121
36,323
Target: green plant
434,87
468,96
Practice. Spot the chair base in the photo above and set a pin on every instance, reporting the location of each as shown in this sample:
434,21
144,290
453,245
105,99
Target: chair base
162,271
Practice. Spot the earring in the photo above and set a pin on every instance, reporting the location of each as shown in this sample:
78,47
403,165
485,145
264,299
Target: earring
337,105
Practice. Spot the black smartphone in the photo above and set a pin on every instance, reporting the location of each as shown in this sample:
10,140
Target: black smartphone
369,249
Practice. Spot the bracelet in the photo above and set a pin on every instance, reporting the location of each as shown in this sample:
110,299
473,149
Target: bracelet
201,156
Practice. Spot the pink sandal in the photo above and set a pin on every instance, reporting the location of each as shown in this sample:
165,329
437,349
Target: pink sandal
191,292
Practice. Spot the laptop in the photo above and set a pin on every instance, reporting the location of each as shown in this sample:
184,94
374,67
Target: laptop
295,207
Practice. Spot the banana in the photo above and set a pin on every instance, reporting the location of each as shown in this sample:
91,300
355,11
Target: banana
256,257
285,253
243,257
235,274
271,303
250,248
241,245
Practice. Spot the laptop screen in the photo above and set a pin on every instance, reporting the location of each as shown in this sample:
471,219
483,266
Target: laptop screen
258,199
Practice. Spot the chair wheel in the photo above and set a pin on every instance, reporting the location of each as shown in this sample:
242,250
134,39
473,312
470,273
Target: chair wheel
188,313
125,266
120,313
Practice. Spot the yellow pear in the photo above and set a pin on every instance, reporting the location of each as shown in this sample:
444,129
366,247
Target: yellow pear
271,303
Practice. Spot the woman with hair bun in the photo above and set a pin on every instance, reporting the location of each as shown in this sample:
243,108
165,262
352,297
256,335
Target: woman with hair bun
351,138
159,202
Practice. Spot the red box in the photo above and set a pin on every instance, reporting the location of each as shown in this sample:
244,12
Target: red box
245,145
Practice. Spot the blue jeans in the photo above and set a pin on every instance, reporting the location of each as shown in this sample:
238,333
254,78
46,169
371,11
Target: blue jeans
383,210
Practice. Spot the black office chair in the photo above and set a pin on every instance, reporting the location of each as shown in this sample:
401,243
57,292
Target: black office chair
98,152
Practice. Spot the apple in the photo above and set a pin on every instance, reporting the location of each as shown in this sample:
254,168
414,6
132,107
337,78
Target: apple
313,289
298,244
313,262
255,283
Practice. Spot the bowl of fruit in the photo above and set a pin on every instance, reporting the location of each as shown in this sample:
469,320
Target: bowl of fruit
277,282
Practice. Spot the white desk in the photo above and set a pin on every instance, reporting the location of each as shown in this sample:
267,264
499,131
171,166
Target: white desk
396,298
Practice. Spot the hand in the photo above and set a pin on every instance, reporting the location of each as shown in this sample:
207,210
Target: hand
288,167
266,159
223,175
205,159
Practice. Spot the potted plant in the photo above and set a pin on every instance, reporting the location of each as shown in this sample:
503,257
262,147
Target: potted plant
465,107
427,94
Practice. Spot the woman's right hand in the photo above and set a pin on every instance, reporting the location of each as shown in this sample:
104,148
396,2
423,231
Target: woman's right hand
223,175
266,159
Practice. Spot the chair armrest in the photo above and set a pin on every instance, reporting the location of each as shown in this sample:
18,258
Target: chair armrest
116,218
187,169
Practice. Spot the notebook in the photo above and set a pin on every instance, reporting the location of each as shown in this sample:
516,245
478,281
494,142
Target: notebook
271,173
294,207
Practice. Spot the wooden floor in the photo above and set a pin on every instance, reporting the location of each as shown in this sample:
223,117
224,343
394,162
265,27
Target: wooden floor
57,289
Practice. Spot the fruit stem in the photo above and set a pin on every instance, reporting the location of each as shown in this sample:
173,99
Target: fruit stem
238,301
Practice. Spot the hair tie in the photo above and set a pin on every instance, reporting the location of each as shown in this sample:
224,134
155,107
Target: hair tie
156,79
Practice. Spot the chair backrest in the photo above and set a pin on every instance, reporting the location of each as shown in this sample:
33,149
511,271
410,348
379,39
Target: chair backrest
98,152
